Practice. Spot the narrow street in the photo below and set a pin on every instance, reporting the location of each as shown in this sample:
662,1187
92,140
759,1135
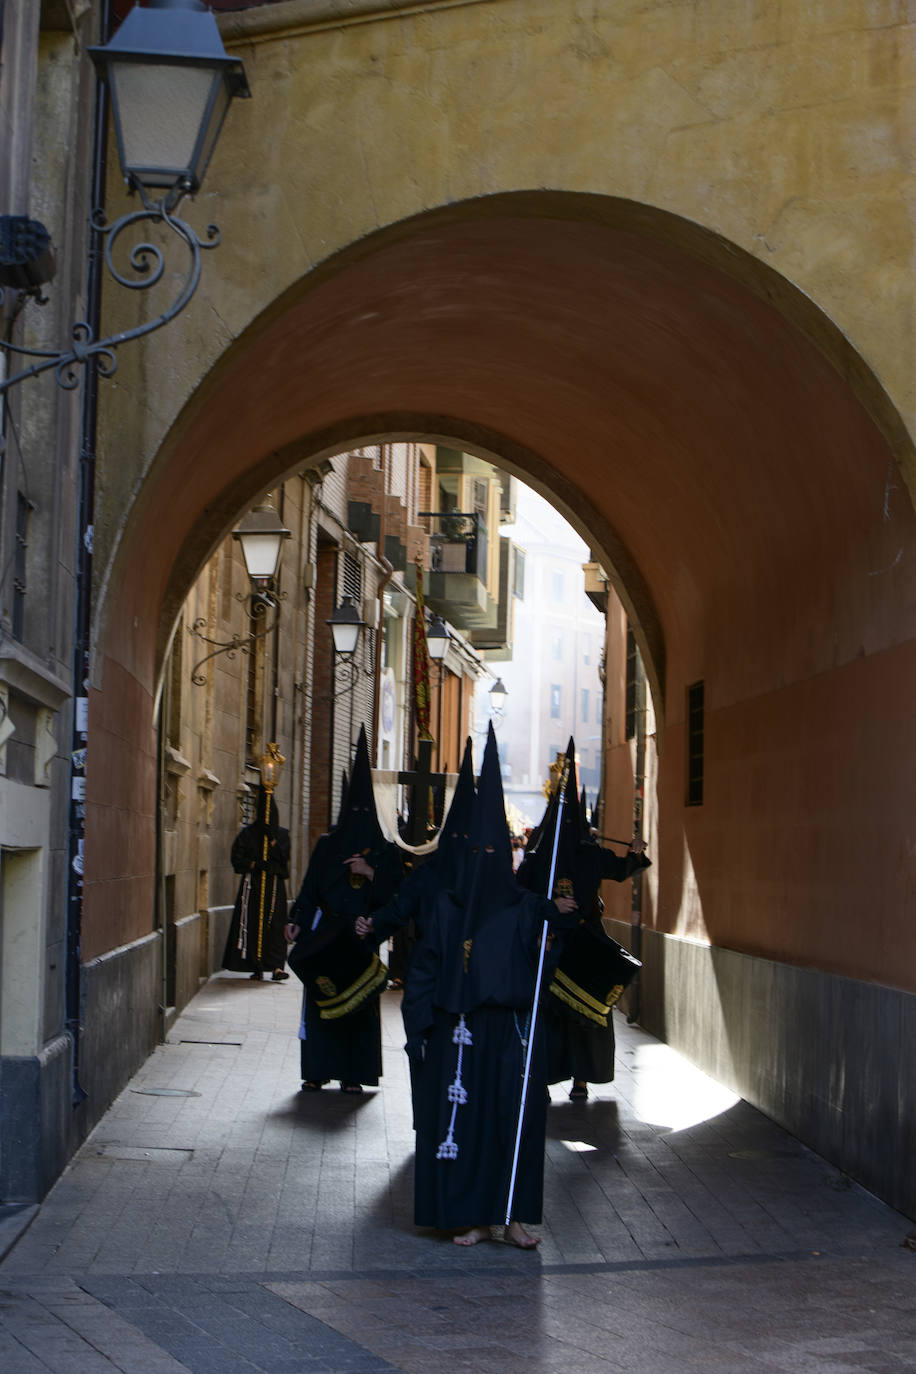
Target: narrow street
218,1221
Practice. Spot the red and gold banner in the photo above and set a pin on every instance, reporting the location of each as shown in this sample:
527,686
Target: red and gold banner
421,662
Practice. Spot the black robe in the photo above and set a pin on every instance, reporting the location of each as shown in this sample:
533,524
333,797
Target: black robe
576,1050
350,1048
256,941
464,1150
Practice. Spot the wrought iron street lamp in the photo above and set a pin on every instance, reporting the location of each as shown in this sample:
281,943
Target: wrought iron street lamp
438,638
261,534
171,83
346,624
498,696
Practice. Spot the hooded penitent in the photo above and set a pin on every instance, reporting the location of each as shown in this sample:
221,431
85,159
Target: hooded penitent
485,957
260,855
534,872
340,970
329,884
358,830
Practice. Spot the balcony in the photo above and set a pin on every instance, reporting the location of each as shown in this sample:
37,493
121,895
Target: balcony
458,566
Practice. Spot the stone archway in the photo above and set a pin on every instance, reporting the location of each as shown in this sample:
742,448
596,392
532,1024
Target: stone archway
713,435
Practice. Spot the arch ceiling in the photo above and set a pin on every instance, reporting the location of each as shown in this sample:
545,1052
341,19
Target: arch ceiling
705,441
695,416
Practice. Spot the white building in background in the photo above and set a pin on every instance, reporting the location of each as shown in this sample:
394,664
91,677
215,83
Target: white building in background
552,679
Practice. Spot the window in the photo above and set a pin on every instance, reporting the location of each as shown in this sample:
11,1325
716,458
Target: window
559,586
556,701
352,577
557,648
585,704
586,649
695,733
23,507
518,574
631,700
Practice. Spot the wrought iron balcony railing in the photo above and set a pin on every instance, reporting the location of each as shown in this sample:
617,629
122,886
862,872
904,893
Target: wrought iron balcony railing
457,542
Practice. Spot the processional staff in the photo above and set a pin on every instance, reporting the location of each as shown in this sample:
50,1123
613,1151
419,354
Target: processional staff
564,775
272,762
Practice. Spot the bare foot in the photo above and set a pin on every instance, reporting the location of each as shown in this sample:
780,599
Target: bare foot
517,1235
474,1236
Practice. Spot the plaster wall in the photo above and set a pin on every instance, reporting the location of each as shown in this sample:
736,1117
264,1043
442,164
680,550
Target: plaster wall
784,129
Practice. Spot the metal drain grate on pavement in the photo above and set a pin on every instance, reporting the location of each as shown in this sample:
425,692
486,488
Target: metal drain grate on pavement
166,1092
220,1044
156,1154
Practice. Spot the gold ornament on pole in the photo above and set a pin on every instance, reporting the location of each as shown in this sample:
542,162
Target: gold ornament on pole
272,762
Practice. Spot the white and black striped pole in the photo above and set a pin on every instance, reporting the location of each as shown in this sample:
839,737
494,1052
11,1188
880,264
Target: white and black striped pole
537,995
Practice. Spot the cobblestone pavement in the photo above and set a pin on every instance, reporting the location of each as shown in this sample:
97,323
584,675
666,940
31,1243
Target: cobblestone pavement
219,1222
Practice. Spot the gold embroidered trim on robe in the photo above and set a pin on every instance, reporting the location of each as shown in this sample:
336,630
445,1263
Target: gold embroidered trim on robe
369,981
581,1001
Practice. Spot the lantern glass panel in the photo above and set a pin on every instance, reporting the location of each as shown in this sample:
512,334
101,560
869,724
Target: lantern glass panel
261,553
161,109
345,634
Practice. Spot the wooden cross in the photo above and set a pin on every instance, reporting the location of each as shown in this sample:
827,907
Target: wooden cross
421,781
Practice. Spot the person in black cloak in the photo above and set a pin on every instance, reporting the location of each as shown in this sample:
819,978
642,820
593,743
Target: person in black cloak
408,909
467,1014
353,870
260,853
579,1048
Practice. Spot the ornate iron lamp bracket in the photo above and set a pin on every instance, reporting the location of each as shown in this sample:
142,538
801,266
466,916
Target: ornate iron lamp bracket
147,261
260,604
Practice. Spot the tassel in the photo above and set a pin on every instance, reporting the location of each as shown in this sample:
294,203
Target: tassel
457,1093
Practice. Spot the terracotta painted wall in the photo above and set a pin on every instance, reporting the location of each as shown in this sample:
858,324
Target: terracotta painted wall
697,339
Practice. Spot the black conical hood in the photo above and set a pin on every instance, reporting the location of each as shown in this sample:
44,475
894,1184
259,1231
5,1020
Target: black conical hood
453,844
488,883
461,808
548,821
358,828
534,871
453,835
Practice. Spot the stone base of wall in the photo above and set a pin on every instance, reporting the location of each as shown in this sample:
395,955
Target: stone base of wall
35,1120
831,1059
122,1019
187,935
219,920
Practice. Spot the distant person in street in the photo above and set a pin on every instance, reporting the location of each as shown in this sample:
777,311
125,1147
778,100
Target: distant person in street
256,943
580,1029
353,871
467,1016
